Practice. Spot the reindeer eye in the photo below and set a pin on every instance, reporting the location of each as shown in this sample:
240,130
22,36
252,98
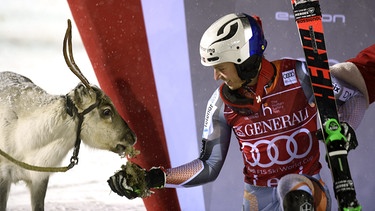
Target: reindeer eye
107,112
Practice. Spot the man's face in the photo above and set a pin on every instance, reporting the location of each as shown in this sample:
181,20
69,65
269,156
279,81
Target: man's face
228,74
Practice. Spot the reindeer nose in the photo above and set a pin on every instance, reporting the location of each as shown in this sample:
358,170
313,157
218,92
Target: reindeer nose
130,137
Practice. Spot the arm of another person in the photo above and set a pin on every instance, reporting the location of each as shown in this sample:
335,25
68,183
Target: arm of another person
359,72
350,93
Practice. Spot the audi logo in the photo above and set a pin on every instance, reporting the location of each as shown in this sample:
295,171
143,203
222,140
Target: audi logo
275,147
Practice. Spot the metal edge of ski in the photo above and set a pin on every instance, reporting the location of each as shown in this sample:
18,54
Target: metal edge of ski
308,18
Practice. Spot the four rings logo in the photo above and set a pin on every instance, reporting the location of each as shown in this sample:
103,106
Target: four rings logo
275,150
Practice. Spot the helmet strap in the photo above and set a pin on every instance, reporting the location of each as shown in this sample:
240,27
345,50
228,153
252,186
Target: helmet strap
249,69
246,97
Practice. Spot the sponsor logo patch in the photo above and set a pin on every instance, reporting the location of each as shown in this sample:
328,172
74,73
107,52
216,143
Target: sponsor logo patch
346,94
289,77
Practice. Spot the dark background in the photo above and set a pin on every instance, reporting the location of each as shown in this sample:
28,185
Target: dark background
349,27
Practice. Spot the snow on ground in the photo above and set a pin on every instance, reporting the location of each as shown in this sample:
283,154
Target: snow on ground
82,188
31,34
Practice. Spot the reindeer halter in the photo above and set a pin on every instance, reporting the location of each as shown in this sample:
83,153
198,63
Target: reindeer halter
70,109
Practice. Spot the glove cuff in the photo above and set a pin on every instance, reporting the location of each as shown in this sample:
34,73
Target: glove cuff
156,178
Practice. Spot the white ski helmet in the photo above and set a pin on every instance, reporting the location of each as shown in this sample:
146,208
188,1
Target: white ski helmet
233,38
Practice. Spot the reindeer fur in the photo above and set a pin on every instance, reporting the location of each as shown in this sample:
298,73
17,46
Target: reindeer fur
35,128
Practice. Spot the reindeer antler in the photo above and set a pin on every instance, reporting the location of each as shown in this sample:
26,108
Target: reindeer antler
70,60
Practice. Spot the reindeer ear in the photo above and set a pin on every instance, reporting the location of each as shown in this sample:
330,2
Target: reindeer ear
83,97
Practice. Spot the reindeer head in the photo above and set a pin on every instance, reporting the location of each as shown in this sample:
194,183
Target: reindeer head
102,126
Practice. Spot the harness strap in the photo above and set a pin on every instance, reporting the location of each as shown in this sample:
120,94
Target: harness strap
71,110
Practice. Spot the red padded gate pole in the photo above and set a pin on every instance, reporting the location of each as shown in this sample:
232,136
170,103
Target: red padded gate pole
114,35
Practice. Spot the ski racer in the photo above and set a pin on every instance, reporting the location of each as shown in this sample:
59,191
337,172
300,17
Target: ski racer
269,107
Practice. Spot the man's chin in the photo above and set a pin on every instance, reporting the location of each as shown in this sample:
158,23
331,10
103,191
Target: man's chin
233,87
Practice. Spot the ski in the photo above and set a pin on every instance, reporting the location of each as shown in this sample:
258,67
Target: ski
308,18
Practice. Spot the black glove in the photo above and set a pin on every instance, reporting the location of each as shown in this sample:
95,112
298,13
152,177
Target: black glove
348,132
133,181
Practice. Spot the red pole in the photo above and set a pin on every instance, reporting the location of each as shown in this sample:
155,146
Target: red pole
114,35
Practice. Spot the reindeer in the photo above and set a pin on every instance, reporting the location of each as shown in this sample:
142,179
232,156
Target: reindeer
39,129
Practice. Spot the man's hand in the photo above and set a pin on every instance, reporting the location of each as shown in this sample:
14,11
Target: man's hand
132,181
348,132
119,184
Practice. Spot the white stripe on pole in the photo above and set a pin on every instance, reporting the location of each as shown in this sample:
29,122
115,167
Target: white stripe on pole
166,32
